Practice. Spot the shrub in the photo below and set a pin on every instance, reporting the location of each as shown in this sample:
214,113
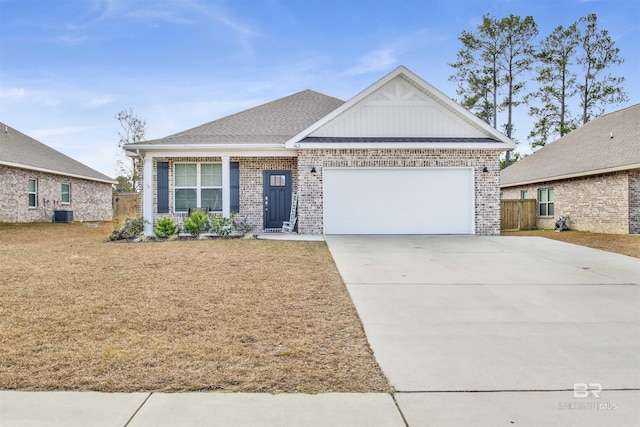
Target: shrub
130,229
242,227
223,226
166,227
197,223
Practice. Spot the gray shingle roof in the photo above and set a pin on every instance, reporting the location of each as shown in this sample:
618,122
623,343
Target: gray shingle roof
273,122
20,150
587,149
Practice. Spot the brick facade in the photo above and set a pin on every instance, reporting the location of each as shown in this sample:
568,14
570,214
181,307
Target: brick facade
634,201
90,200
310,202
487,203
605,203
251,185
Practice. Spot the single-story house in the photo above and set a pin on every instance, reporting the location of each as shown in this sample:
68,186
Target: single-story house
40,184
591,175
400,157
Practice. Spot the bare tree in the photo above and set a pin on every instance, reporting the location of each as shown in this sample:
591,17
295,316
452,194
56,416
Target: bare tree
132,131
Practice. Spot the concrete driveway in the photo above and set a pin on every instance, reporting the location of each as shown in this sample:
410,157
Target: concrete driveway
499,326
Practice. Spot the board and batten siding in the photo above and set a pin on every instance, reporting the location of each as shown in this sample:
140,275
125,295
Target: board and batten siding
398,109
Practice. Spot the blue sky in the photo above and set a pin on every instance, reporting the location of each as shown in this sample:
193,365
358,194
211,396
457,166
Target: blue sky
68,66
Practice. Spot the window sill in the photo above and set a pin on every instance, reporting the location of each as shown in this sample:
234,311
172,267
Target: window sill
186,212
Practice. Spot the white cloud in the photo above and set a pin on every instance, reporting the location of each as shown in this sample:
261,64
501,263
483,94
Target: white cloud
100,101
45,134
31,96
9,94
72,40
53,97
388,55
182,12
374,61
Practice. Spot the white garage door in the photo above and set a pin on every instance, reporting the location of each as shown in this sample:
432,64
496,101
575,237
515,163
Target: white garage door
398,201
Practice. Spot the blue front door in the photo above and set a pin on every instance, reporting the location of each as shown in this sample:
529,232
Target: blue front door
277,198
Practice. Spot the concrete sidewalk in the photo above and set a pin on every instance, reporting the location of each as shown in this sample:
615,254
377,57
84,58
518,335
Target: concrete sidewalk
92,409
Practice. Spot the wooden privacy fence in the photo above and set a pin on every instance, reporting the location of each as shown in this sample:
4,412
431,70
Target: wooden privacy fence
125,204
518,214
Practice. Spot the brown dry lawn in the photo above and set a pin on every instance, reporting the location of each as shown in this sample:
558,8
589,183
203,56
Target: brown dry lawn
625,244
80,313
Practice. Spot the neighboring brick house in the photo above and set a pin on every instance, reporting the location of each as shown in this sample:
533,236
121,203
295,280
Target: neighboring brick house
591,174
38,180
398,158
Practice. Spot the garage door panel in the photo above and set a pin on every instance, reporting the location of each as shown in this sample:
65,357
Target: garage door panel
398,201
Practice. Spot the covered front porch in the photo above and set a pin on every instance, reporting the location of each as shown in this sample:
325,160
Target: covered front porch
256,186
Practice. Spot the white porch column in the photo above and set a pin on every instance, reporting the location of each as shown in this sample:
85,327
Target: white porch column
226,186
147,195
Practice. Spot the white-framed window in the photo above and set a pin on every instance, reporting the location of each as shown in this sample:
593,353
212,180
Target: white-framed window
65,193
32,190
524,194
197,185
545,202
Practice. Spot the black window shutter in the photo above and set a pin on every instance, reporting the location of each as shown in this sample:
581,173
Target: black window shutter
235,186
163,187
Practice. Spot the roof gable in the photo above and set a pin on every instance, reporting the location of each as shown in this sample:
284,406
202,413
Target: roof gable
605,144
402,105
22,151
398,109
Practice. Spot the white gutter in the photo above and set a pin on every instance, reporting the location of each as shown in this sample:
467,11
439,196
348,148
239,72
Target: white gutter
402,145
572,175
133,153
34,168
195,147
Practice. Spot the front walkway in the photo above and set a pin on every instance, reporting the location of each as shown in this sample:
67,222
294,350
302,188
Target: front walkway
290,236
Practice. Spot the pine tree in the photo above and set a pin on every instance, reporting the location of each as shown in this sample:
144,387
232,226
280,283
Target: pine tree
597,89
558,84
492,63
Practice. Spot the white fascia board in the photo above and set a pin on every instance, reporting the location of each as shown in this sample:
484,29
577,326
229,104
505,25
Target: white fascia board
51,171
211,150
147,147
510,144
403,145
572,175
